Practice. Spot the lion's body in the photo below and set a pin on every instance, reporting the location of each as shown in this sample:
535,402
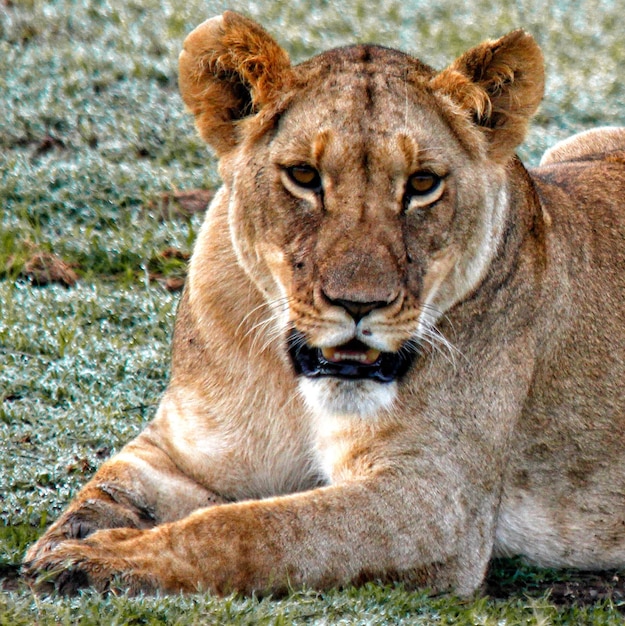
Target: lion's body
397,353
562,498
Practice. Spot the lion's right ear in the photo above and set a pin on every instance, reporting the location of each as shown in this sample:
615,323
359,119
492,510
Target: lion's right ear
230,68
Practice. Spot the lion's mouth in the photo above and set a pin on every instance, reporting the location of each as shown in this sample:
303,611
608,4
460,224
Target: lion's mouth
353,360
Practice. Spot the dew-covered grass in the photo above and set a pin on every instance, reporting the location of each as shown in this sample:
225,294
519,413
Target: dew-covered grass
81,372
92,132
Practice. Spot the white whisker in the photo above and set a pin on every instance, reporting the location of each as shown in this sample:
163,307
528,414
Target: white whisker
263,328
249,314
432,335
272,336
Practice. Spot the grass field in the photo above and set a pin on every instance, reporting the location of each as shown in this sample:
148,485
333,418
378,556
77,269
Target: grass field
94,144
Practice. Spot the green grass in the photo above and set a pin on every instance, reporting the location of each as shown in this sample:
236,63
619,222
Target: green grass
371,605
92,133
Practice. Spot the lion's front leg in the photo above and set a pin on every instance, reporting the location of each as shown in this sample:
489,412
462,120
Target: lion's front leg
321,538
138,489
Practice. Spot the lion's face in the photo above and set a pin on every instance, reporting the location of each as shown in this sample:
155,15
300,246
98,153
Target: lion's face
364,202
362,220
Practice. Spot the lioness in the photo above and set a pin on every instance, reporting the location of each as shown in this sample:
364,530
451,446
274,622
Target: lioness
397,354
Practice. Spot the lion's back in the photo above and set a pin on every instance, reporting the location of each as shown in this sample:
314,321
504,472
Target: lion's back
597,143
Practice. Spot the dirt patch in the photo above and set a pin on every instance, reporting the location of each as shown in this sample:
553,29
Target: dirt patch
173,205
589,591
563,587
41,268
44,268
9,577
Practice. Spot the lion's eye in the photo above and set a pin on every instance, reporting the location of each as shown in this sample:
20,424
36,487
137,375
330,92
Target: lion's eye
304,176
423,188
423,183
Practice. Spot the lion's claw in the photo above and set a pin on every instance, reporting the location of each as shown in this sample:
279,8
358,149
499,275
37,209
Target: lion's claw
51,573
94,562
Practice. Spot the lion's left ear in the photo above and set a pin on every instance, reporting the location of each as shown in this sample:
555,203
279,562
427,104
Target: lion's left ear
230,68
500,83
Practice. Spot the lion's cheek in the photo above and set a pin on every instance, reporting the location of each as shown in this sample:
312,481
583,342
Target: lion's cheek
259,259
279,269
437,290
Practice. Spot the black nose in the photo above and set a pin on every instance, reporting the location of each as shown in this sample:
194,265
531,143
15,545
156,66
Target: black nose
358,310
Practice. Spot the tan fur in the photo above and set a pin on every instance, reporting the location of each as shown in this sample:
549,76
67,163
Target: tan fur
506,434
593,143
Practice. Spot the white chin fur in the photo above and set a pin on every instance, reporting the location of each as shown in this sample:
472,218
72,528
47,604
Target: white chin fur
334,396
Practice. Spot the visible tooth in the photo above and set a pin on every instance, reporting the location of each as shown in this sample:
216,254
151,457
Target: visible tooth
350,356
336,355
373,355
328,353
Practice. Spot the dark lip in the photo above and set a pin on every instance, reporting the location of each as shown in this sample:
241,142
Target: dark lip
308,361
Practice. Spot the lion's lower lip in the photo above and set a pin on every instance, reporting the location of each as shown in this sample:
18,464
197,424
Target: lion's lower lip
348,361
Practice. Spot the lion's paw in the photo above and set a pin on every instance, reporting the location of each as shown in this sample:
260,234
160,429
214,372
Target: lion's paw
94,562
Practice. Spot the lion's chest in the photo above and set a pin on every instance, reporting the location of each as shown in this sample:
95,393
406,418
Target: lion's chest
346,446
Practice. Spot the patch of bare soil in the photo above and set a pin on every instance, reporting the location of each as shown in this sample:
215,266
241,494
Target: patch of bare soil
9,577
40,268
563,588
43,268
172,205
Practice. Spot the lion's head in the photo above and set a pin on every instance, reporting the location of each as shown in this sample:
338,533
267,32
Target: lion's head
367,193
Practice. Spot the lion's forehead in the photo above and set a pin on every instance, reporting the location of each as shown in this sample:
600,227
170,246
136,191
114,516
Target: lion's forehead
371,100
364,59
363,100
368,120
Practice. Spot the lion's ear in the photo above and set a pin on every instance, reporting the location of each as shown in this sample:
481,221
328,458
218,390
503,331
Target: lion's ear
500,83
229,68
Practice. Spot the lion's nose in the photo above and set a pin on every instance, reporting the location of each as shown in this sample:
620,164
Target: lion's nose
361,279
358,310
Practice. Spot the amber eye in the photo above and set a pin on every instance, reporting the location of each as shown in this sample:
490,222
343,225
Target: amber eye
423,189
304,176
423,183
